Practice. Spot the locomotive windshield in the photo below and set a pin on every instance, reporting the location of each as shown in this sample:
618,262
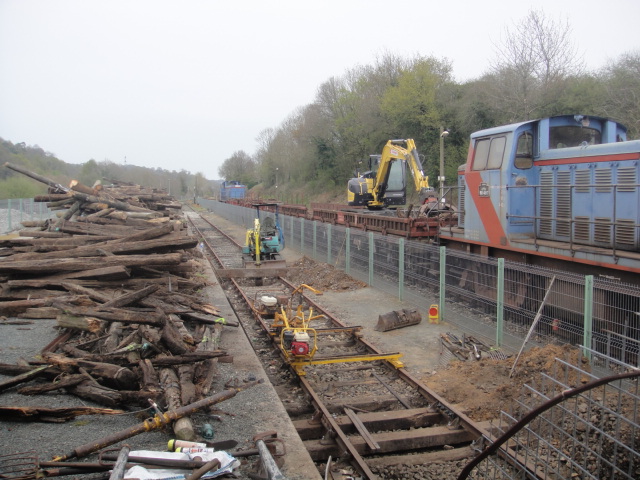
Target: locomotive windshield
573,136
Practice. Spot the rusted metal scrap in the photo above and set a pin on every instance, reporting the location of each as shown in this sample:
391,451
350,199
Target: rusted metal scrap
398,319
157,421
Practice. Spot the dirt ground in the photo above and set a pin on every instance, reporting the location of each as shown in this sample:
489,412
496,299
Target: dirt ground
322,276
481,389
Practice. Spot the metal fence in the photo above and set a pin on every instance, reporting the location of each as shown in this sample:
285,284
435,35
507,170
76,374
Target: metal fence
502,301
594,435
14,211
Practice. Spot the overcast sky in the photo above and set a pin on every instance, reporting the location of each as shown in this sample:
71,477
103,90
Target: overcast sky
184,84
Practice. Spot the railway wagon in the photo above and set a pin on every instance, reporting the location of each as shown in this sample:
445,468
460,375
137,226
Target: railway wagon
232,191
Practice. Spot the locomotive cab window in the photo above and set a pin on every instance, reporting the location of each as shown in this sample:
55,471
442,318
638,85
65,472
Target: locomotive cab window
524,151
489,153
572,136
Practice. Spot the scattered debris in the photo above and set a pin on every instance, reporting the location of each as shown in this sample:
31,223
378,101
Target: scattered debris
469,347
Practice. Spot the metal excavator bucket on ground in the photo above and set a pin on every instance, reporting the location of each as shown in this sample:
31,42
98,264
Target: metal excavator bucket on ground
398,319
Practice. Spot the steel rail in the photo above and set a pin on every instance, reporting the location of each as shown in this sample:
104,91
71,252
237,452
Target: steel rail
436,401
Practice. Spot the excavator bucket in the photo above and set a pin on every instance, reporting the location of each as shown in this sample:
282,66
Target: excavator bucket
398,319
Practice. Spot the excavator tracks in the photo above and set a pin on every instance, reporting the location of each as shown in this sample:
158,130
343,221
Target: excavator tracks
355,407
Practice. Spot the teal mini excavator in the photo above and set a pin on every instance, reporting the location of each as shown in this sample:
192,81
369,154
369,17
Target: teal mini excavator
265,240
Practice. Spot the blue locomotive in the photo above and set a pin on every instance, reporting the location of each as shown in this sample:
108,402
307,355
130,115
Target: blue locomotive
232,190
558,188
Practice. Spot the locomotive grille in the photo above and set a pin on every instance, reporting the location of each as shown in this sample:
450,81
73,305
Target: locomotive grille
602,230
581,229
627,181
625,232
546,203
583,180
563,205
603,180
463,188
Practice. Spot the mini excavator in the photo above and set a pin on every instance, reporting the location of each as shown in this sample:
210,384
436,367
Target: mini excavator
265,240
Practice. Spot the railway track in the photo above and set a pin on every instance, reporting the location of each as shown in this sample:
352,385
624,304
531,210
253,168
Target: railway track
353,405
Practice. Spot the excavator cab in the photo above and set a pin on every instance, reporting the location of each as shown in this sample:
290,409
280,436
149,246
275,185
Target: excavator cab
359,188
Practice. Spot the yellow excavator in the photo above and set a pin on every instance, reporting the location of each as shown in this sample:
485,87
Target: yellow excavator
369,190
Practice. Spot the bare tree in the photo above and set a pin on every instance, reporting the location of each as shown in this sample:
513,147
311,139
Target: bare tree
533,62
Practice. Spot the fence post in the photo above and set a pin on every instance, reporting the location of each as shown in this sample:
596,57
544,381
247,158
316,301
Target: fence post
21,211
401,269
500,303
588,315
9,213
443,275
329,233
347,251
315,240
302,235
371,258
291,228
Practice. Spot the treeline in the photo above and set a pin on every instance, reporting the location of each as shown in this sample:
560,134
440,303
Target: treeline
14,185
536,72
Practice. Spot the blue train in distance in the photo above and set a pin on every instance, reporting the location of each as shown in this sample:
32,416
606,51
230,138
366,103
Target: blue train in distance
232,190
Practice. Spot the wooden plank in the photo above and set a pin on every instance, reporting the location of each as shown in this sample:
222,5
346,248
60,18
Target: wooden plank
66,264
106,273
375,421
42,414
254,272
364,433
24,377
398,441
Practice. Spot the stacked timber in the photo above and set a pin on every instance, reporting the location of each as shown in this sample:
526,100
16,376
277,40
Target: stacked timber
119,272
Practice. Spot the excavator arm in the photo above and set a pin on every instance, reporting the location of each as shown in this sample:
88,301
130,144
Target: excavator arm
421,181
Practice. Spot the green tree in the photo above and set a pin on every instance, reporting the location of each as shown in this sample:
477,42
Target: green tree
410,106
90,172
622,91
241,167
21,187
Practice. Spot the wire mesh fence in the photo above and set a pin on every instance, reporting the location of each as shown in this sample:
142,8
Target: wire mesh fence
15,211
593,435
504,302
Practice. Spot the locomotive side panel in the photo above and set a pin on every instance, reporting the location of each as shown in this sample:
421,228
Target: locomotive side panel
590,196
565,188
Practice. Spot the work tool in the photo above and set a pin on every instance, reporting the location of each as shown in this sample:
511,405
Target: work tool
268,463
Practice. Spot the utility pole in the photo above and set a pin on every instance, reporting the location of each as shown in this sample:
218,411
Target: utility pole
443,133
